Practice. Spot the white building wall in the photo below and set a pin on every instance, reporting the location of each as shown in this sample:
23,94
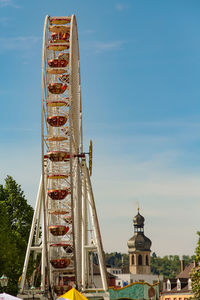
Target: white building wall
124,279
114,271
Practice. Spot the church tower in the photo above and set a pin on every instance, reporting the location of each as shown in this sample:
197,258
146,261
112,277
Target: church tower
139,248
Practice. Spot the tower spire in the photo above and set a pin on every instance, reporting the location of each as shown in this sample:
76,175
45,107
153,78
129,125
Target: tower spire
138,206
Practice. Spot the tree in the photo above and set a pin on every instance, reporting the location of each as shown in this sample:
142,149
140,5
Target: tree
6,244
20,212
168,266
15,223
188,259
116,259
195,274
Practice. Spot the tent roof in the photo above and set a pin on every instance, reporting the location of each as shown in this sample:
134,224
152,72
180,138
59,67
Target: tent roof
72,294
5,296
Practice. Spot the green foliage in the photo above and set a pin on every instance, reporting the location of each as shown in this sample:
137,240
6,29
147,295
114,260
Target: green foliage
15,222
116,259
168,266
195,275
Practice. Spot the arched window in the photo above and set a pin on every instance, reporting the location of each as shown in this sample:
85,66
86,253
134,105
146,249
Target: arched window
178,285
189,284
168,285
140,260
133,260
147,260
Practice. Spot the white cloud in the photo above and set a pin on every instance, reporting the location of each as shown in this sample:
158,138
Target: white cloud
102,46
154,169
168,194
11,3
169,201
18,43
99,47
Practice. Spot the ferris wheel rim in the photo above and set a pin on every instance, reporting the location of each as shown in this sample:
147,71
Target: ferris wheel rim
74,29
50,103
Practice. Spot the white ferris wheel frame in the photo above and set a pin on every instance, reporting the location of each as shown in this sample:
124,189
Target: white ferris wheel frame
82,198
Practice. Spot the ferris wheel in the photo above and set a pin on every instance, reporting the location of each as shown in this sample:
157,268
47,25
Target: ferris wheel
65,200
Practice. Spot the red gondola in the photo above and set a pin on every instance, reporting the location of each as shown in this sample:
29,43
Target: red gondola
60,37
58,194
60,263
58,63
57,103
58,155
57,138
60,28
61,244
56,88
58,176
58,212
58,47
58,230
57,121
59,20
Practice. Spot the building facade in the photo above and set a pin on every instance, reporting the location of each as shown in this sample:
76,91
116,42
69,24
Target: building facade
179,288
139,248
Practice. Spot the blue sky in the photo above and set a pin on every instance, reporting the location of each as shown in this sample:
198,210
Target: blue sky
140,74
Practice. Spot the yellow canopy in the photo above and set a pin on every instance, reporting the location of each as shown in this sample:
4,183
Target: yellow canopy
72,294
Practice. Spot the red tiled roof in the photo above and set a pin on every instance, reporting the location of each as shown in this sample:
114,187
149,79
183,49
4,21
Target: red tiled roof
183,277
186,272
174,291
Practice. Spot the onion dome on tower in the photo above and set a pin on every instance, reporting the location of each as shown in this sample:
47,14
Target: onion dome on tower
139,248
